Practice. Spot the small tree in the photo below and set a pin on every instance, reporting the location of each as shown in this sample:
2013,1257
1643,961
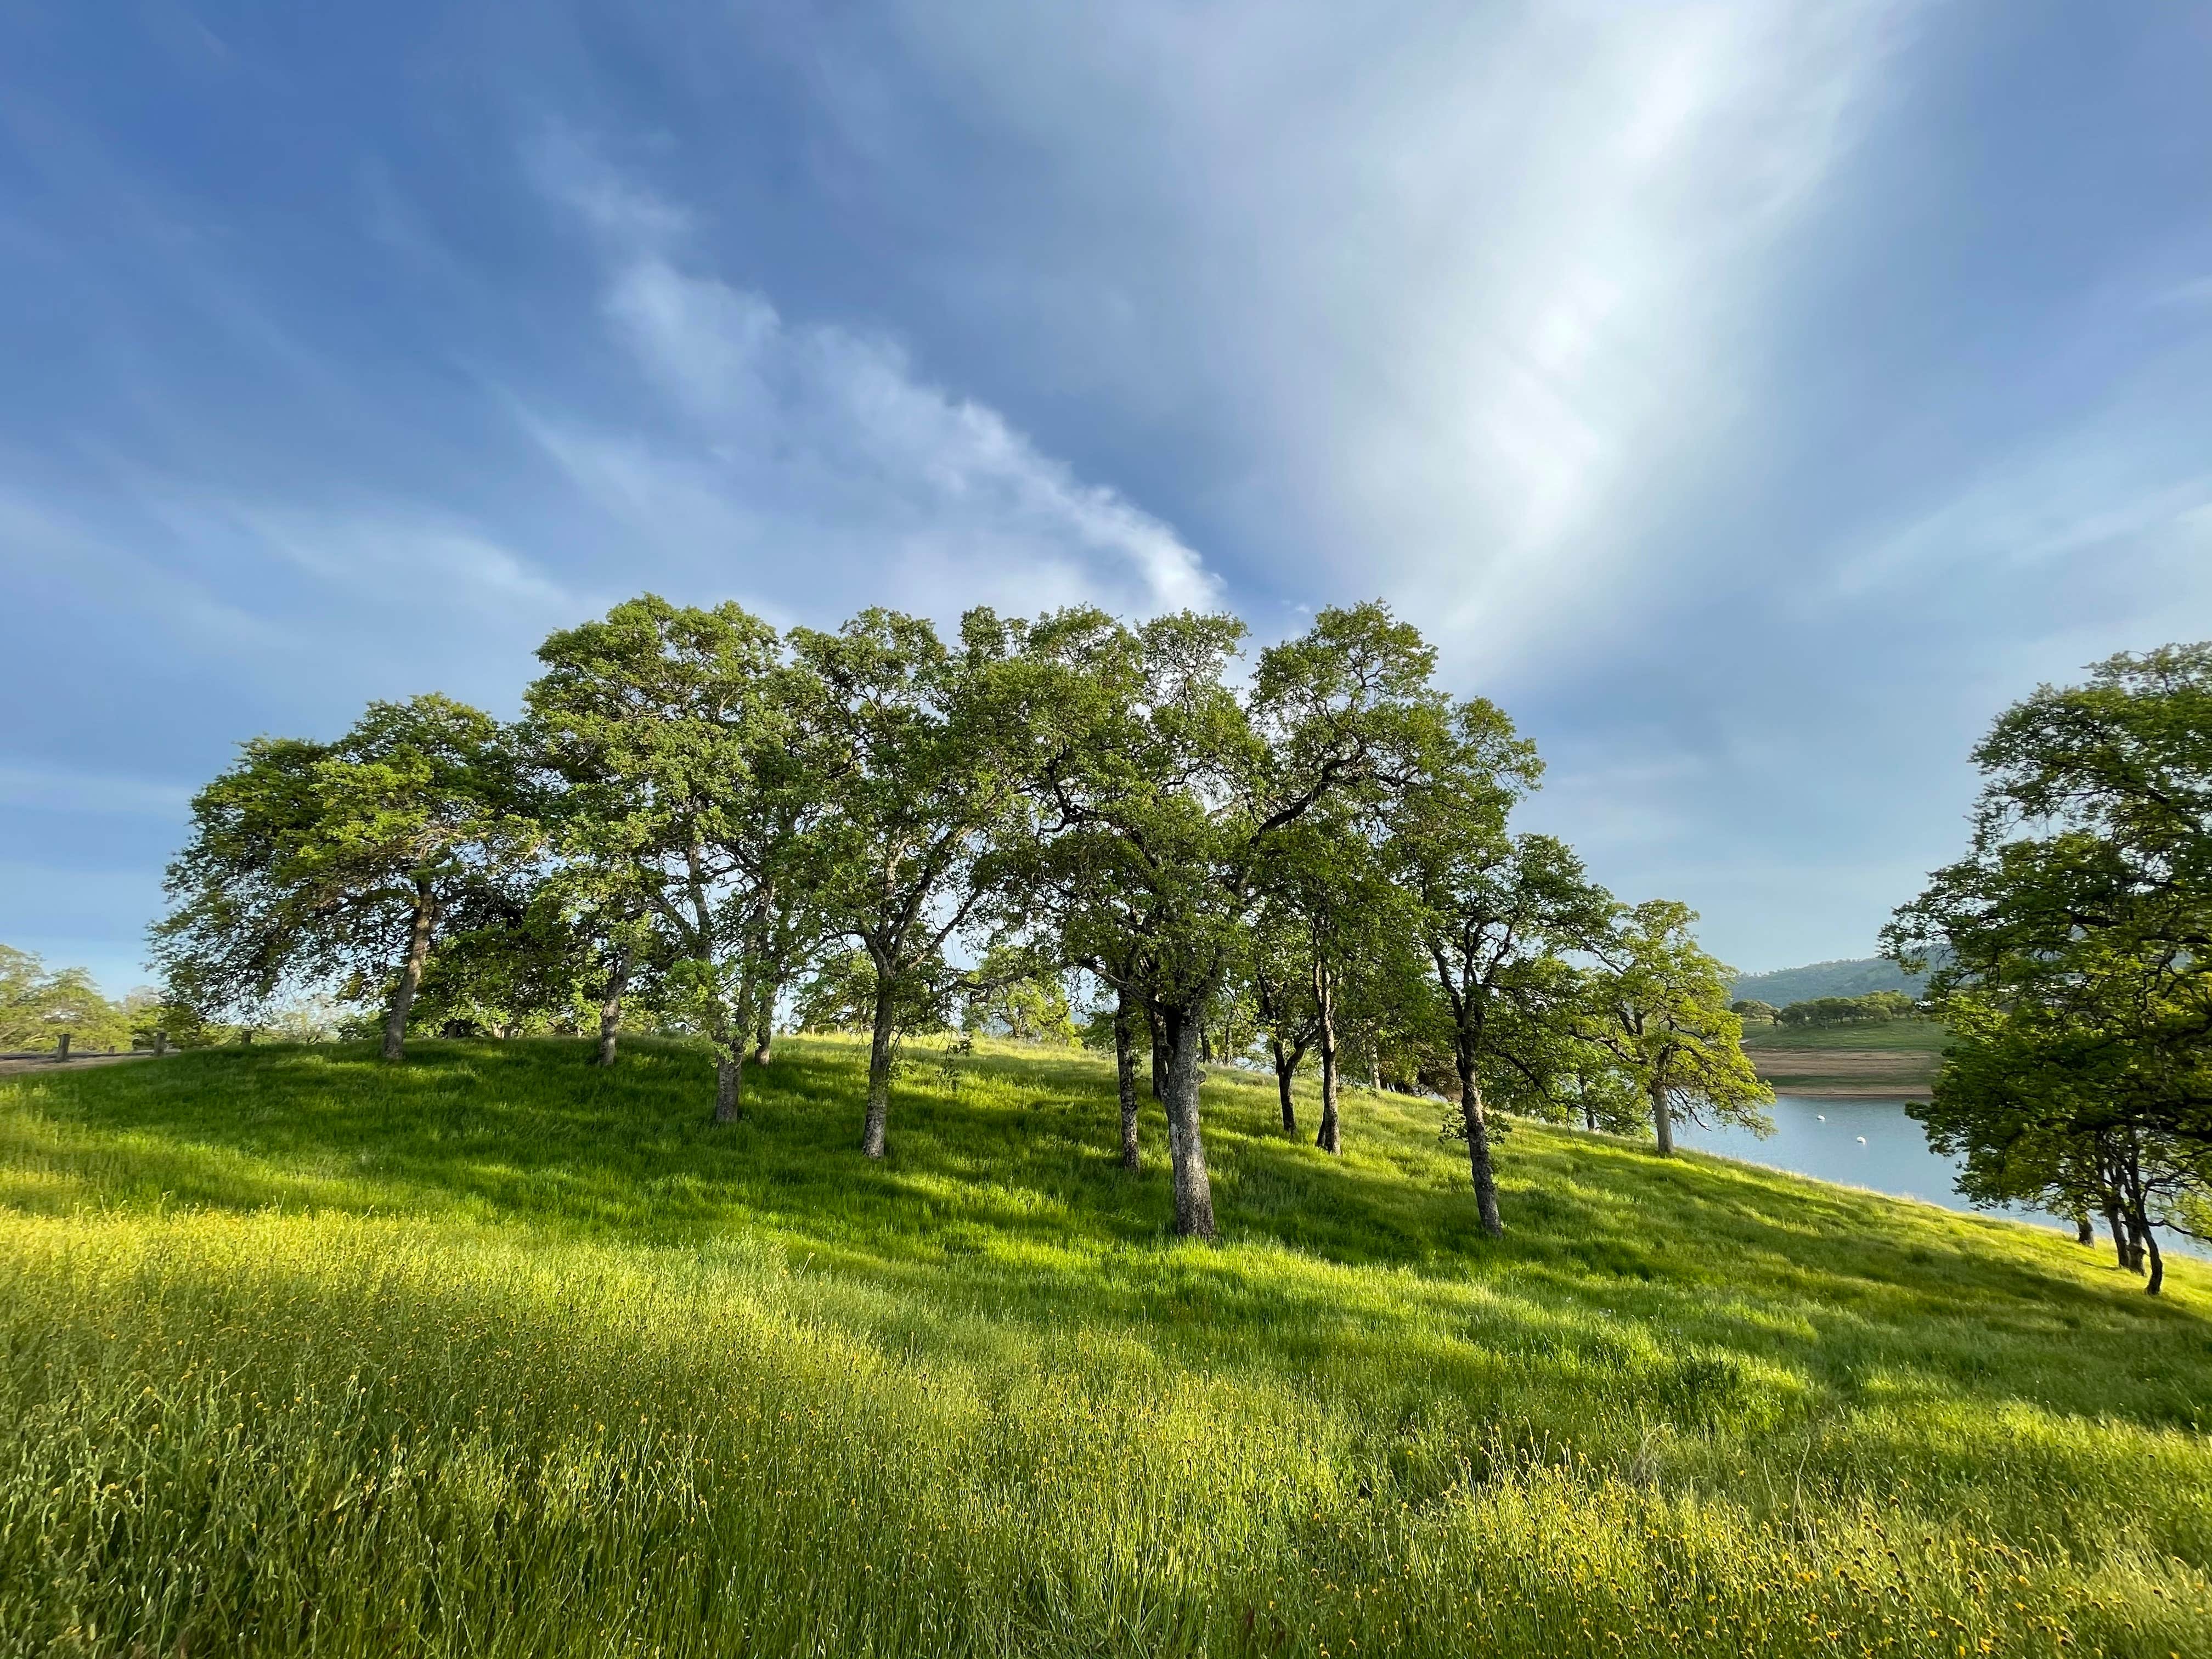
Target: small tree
687,792
918,793
312,862
1283,979
1659,1006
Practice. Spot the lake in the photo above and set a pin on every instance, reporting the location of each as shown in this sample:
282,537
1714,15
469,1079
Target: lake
1871,1144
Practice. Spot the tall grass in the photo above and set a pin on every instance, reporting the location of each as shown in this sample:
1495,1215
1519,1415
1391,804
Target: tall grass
494,1353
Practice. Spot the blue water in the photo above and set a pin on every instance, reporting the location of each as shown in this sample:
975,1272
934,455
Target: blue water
1871,1144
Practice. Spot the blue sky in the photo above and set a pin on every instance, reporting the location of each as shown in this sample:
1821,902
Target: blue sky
1752,398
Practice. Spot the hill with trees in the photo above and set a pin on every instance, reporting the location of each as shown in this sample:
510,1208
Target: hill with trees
1857,977
708,825
501,1351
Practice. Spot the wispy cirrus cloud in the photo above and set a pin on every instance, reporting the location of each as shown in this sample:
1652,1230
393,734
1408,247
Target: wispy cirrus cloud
816,452
1480,291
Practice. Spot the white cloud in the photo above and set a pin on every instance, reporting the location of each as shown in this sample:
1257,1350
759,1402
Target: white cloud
813,453
2100,489
1478,290
403,559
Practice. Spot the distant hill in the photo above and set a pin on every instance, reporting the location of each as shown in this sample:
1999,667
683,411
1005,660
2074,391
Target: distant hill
1828,979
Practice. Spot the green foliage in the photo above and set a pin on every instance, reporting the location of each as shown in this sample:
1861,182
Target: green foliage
840,996
496,1352
2070,949
1015,996
1751,1010
1854,977
1658,1006
684,810
311,863
37,1004
1875,1008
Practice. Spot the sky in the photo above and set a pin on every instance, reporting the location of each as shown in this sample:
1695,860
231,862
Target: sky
1752,398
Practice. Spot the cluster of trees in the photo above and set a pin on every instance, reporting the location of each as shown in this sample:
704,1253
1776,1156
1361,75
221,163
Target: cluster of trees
2072,954
1817,1013
37,1004
702,819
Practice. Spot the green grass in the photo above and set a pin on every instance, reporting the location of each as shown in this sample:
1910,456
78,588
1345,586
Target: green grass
1904,1036
493,1353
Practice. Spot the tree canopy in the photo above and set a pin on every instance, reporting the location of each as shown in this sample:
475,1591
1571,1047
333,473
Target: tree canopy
712,825
2071,952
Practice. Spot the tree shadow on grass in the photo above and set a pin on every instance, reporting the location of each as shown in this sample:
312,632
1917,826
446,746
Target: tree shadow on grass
1003,1193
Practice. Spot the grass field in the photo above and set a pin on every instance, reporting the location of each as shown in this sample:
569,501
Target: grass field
494,1353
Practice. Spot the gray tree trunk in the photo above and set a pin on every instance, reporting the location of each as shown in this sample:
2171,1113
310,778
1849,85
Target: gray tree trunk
1194,1191
2157,1261
874,1133
610,1010
2083,1232
1663,1120
1159,1052
730,1079
410,972
764,1029
1125,1078
1330,1138
1478,1150
2119,1231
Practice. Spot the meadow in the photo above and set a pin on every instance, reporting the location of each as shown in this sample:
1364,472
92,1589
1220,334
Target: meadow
493,1352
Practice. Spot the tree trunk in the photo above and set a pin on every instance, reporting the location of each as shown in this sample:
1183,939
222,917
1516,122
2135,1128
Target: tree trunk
610,1010
410,973
1663,1120
1375,1069
2142,1237
764,1028
1287,1067
1194,1193
1159,1053
1478,1148
2083,1232
1329,1139
730,1079
2118,1230
1125,1078
874,1134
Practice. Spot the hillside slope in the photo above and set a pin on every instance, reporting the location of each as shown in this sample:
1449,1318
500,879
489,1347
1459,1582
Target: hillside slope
493,1352
1857,977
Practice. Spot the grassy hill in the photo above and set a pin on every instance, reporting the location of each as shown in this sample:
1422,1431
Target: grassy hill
1857,977
494,1353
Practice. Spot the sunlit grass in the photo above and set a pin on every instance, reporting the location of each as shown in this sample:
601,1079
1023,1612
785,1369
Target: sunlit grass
497,1353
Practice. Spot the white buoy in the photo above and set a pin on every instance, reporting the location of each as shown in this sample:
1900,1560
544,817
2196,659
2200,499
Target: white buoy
1823,1116
1862,1140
